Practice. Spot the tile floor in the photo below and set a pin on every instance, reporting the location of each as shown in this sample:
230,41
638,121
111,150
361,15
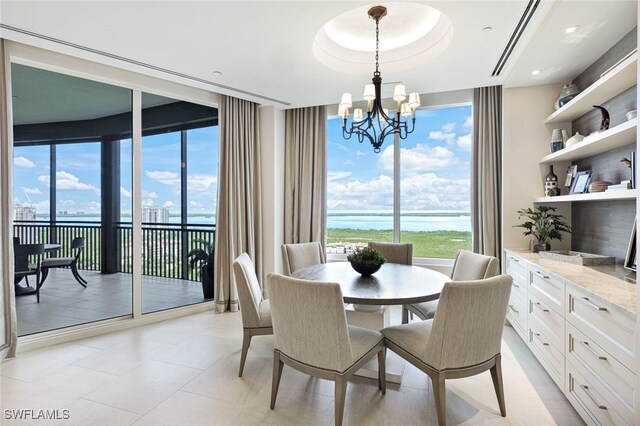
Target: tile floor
184,372
64,302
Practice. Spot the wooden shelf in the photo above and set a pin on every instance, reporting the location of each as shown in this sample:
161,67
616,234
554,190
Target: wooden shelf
629,194
621,135
613,83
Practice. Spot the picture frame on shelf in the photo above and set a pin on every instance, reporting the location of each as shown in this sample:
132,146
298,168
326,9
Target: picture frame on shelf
580,184
571,173
632,255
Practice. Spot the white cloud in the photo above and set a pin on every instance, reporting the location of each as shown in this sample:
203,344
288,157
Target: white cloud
199,183
65,180
125,193
337,175
93,205
194,205
360,153
147,202
164,177
468,122
24,162
447,128
464,141
347,163
67,204
150,195
168,205
375,194
31,191
421,158
41,206
448,137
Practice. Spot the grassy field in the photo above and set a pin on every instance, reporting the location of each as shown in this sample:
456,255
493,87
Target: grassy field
438,244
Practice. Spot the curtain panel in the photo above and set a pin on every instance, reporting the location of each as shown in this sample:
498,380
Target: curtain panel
239,212
305,176
486,171
7,295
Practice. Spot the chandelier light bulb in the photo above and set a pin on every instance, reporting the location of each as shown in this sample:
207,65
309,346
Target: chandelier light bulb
405,110
357,115
399,94
369,92
342,111
414,100
346,100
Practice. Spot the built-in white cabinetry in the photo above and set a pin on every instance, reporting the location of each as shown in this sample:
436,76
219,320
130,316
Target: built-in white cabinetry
585,342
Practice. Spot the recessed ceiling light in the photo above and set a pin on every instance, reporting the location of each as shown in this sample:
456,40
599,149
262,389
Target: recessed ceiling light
571,29
487,29
217,73
535,72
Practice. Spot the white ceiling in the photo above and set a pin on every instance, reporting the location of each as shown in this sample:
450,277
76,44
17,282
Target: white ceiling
265,48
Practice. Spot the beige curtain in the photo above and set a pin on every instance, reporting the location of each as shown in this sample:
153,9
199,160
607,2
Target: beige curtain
239,216
305,175
7,296
486,170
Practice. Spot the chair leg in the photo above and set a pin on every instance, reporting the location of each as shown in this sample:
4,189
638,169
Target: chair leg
38,285
340,396
76,275
44,272
439,394
382,372
26,279
246,342
277,375
405,315
496,376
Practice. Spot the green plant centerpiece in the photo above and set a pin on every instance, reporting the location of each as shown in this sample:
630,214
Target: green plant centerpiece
202,257
366,261
544,225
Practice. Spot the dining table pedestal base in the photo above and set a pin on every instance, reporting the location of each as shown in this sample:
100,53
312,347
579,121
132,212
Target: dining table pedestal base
376,318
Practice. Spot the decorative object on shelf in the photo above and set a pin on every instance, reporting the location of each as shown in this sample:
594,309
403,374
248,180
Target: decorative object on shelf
622,186
574,139
604,124
551,184
366,261
377,125
578,258
599,186
571,173
631,260
557,142
568,92
565,136
203,258
581,182
544,225
631,114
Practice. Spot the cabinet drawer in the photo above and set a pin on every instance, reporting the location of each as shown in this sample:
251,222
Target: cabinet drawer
587,394
517,268
551,358
604,323
548,287
616,378
548,321
517,316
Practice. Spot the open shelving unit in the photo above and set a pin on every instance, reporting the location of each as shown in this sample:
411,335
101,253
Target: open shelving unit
611,84
629,194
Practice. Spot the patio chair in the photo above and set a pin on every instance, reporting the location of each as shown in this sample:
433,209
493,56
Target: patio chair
66,262
22,268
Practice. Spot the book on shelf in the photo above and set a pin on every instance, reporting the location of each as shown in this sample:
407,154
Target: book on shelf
622,186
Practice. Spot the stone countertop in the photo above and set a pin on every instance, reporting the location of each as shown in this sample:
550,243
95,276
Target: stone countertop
611,283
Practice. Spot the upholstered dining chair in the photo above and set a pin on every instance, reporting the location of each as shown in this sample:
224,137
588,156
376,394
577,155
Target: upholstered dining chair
311,335
77,245
298,256
468,266
462,340
401,253
255,309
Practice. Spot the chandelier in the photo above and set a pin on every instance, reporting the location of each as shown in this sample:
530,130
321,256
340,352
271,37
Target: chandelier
378,124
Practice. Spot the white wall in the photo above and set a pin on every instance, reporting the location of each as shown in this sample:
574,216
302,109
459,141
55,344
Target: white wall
525,140
272,180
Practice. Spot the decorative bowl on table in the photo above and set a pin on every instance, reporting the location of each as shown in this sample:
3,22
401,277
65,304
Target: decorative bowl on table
366,261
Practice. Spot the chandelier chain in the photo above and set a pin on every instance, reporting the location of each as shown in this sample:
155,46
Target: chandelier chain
377,44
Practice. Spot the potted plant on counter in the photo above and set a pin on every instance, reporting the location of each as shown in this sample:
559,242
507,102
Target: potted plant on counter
202,257
366,261
544,225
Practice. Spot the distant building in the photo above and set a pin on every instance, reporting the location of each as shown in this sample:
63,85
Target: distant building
153,214
24,212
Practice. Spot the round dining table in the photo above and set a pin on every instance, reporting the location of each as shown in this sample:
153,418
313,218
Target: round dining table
393,284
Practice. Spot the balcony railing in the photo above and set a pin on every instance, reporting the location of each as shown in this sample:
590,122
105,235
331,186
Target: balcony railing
164,246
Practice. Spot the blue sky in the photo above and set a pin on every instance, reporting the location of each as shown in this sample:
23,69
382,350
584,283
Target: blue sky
435,166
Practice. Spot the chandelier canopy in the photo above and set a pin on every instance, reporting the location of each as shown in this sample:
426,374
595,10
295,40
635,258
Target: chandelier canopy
377,125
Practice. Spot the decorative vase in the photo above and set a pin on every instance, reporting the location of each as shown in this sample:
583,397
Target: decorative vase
574,139
568,92
557,142
365,269
551,184
539,246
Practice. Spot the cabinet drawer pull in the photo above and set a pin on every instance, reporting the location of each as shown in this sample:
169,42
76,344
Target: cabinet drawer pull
596,354
593,305
515,285
546,277
514,259
585,388
540,338
539,305
514,309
